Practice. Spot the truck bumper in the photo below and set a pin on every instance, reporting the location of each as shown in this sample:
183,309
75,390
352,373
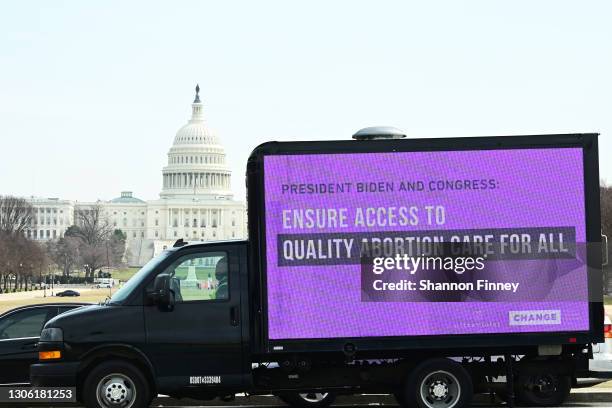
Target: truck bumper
54,374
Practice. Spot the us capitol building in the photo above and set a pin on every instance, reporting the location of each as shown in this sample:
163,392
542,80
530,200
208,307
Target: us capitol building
196,201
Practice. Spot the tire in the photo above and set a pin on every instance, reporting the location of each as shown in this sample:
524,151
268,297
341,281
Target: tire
438,383
309,399
116,380
542,388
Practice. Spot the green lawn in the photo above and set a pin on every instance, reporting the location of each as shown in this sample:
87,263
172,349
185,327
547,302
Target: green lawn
202,272
124,274
607,300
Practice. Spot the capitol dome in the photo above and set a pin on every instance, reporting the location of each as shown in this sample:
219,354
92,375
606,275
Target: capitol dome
196,131
197,164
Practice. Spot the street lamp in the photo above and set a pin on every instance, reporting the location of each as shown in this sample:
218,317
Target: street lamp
12,277
52,276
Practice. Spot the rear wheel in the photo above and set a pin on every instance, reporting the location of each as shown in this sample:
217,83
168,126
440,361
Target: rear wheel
542,388
116,384
438,383
309,399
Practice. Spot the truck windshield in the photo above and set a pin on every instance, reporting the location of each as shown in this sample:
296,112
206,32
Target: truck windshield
137,279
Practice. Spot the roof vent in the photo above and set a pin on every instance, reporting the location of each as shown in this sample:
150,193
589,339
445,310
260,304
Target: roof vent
379,132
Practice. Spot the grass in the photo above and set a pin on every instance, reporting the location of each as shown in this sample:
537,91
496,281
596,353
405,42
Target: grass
90,296
7,301
202,272
124,274
197,294
607,300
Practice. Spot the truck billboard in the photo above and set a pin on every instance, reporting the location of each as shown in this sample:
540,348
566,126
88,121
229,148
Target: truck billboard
358,243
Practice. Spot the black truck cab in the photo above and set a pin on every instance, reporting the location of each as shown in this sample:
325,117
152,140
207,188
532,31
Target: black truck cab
181,320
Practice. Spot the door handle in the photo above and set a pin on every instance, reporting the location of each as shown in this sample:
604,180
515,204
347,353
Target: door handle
29,346
234,316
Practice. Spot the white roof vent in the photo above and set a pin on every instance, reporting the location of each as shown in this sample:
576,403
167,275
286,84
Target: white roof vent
379,132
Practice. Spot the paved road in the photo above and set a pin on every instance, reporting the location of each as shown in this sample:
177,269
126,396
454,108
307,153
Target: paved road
579,398
582,398
177,404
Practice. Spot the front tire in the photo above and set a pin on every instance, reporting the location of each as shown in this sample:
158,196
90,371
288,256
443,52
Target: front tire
309,399
438,383
116,384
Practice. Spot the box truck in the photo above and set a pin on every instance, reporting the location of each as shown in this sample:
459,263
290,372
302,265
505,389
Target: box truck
431,269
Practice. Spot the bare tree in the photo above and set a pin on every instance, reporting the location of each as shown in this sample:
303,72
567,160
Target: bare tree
64,253
117,247
93,230
22,262
15,214
93,227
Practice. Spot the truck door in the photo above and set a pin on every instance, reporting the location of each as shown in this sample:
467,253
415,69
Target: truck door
197,342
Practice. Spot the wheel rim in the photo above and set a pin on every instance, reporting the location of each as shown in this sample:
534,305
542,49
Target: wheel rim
440,389
314,397
543,386
116,391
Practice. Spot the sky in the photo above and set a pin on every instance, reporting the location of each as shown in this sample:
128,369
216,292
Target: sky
93,92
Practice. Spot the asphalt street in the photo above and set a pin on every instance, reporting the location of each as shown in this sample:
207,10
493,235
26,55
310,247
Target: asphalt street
579,398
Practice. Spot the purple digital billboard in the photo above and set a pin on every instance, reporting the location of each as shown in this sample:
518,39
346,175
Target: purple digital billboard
425,243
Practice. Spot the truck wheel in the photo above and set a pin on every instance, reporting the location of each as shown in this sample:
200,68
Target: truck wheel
309,399
438,383
116,384
543,389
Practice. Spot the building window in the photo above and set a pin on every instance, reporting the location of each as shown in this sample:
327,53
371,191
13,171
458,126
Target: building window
156,222
156,234
141,234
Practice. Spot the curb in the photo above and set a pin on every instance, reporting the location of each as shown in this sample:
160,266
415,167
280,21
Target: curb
591,395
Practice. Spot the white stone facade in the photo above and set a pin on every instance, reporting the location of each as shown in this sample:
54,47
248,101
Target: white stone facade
51,218
196,201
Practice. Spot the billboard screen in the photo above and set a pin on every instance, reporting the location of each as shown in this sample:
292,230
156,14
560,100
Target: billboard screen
425,243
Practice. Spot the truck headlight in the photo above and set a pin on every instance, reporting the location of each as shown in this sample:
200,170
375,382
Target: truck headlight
54,334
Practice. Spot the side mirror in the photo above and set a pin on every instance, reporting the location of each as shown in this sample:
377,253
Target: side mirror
162,293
